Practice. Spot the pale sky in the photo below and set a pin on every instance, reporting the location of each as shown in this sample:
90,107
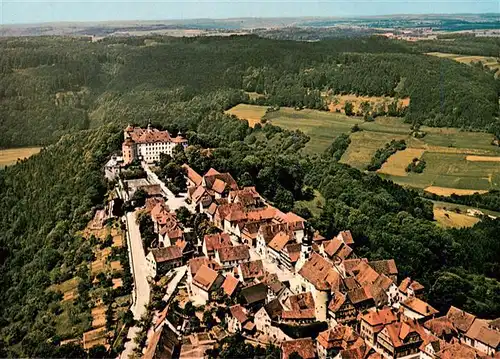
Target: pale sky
35,11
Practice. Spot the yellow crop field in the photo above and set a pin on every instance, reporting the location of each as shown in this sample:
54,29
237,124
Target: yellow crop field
397,163
447,218
483,158
444,191
10,156
252,113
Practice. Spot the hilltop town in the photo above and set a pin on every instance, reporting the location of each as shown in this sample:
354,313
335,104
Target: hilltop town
217,261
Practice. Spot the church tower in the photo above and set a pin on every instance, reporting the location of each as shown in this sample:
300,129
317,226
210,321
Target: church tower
305,246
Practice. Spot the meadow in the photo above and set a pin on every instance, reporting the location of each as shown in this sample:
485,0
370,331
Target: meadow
456,161
10,156
491,62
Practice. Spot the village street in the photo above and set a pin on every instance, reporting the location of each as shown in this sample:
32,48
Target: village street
141,292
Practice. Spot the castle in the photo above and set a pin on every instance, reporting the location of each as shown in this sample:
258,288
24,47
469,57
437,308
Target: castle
147,144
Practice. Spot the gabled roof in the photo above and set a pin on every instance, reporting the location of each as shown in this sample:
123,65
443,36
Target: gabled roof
302,307
253,269
441,326
217,241
229,285
360,295
379,317
409,283
346,237
192,175
386,266
293,251
479,331
274,309
383,282
320,273
457,351
212,172
364,273
234,253
255,293
175,233
205,277
419,306
304,347
239,313
336,247
280,240
165,254
196,263
337,301
460,319
398,333
340,337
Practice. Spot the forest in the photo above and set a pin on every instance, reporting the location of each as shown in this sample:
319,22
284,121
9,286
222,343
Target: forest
74,97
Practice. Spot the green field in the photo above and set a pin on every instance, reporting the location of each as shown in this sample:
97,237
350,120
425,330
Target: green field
445,149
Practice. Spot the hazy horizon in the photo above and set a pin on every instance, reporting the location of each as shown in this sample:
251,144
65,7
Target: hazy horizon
42,11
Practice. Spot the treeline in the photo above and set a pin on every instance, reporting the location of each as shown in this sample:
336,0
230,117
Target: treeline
490,200
382,154
52,86
44,201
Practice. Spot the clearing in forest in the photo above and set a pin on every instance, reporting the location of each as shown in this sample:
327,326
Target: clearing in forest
396,164
449,153
252,113
451,219
336,103
489,61
10,156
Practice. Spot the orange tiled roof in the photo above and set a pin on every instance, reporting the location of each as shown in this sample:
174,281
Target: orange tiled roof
441,326
379,317
205,277
280,240
386,266
337,301
419,306
365,274
196,263
320,273
346,237
217,241
480,331
192,175
304,347
460,319
338,337
230,284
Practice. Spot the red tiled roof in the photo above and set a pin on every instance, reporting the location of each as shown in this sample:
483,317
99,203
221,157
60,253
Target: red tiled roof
196,263
346,237
441,326
205,277
339,337
238,312
337,301
480,331
217,241
365,274
253,269
460,319
360,295
293,251
379,317
320,273
235,253
419,306
304,347
192,175
230,284
387,267
166,254
212,172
